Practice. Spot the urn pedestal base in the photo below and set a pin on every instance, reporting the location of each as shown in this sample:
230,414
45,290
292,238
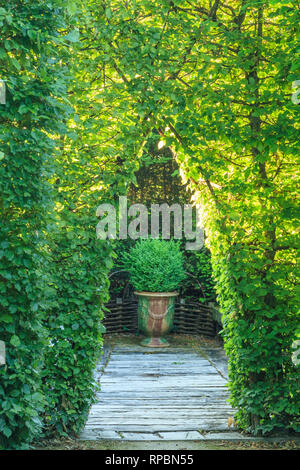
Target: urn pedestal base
155,343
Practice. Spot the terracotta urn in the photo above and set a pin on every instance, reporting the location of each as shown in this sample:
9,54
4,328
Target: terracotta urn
155,316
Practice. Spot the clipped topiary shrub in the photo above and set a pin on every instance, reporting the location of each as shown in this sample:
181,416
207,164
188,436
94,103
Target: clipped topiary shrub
155,265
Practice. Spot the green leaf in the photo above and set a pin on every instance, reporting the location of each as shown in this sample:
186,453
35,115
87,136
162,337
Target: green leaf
15,341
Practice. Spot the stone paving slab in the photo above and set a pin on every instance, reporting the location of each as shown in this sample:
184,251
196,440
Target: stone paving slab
181,436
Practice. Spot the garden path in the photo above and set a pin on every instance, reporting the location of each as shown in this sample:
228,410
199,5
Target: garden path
170,393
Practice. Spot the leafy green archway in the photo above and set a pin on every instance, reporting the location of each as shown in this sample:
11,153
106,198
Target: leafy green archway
87,85
215,80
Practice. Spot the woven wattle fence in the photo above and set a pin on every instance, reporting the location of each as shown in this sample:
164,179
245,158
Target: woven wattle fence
190,318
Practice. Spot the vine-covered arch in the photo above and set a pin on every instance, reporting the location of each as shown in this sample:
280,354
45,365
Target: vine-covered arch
88,84
208,79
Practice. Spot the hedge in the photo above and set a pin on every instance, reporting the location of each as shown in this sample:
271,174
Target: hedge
34,89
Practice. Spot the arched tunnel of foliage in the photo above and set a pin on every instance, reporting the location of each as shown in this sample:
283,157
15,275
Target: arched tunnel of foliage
157,181
89,84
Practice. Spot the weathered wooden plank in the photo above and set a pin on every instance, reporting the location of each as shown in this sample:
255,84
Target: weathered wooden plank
163,397
165,427
192,423
164,417
166,403
168,391
145,407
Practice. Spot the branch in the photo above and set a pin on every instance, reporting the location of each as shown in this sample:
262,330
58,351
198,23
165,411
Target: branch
208,183
213,11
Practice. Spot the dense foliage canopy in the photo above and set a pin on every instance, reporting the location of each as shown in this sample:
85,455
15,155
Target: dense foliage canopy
216,81
35,87
89,84
53,271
